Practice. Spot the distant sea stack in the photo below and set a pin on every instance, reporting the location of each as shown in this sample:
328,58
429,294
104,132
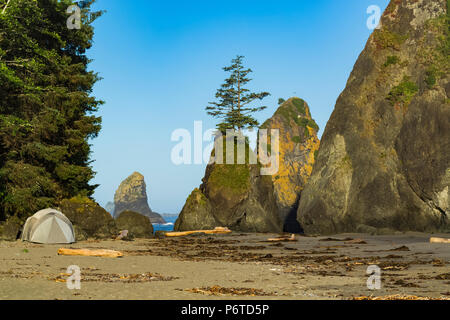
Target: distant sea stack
384,160
237,196
132,196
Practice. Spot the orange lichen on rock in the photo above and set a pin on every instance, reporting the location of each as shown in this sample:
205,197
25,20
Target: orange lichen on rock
297,146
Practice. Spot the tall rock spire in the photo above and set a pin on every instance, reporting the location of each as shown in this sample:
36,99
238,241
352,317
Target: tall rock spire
132,196
384,160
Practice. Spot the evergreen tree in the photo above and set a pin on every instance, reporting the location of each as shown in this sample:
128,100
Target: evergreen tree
234,100
46,105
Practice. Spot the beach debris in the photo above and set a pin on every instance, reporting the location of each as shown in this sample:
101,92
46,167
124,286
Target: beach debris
355,241
336,239
90,253
402,248
217,230
114,277
221,291
438,262
439,240
283,238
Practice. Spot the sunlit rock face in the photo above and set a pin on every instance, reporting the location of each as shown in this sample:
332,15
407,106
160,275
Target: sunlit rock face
384,160
240,198
132,196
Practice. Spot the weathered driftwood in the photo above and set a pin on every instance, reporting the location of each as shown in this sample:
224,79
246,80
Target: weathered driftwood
439,240
90,253
218,230
283,239
355,241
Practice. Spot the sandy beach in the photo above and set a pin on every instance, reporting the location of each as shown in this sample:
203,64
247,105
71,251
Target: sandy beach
235,266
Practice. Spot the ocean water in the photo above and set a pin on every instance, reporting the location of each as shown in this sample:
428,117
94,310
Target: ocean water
166,226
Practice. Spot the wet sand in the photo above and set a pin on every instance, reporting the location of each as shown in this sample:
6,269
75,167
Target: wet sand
235,266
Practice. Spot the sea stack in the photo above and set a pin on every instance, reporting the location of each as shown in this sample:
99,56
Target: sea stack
298,144
384,160
237,196
132,196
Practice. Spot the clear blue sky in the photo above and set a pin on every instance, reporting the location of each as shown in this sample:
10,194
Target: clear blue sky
161,63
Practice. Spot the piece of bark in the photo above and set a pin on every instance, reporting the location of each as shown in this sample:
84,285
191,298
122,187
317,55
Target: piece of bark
218,230
439,240
90,253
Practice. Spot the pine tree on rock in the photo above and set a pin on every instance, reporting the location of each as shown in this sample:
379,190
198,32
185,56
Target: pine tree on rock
233,105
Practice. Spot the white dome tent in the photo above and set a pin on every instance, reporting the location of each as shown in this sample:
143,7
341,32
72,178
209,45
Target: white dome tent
48,226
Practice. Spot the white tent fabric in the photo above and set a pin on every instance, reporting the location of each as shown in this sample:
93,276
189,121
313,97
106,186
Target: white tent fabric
48,226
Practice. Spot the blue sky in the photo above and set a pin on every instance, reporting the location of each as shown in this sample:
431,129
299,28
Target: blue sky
161,63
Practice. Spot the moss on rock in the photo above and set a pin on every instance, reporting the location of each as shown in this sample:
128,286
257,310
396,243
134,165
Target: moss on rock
403,93
89,217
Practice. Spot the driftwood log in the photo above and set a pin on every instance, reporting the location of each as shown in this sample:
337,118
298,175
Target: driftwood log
90,253
283,239
439,240
218,230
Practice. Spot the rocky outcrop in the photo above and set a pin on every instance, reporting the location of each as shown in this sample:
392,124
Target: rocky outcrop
138,226
89,219
298,145
384,160
132,196
237,196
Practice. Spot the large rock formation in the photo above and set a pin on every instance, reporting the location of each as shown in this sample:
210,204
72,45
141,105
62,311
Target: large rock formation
138,225
88,218
237,196
384,160
132,196
298,144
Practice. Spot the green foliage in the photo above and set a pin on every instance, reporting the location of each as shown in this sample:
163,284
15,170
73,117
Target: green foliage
316,153
197,196
391,60
300,105
431,77
297,139
235,177
46,107
306,132
403,93
388,39
234,100
437,56
296,111
281,101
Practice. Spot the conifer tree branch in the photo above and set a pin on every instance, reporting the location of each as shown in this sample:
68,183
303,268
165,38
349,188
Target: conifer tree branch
6,6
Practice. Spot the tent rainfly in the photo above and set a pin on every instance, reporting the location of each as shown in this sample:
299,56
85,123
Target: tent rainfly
48,226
